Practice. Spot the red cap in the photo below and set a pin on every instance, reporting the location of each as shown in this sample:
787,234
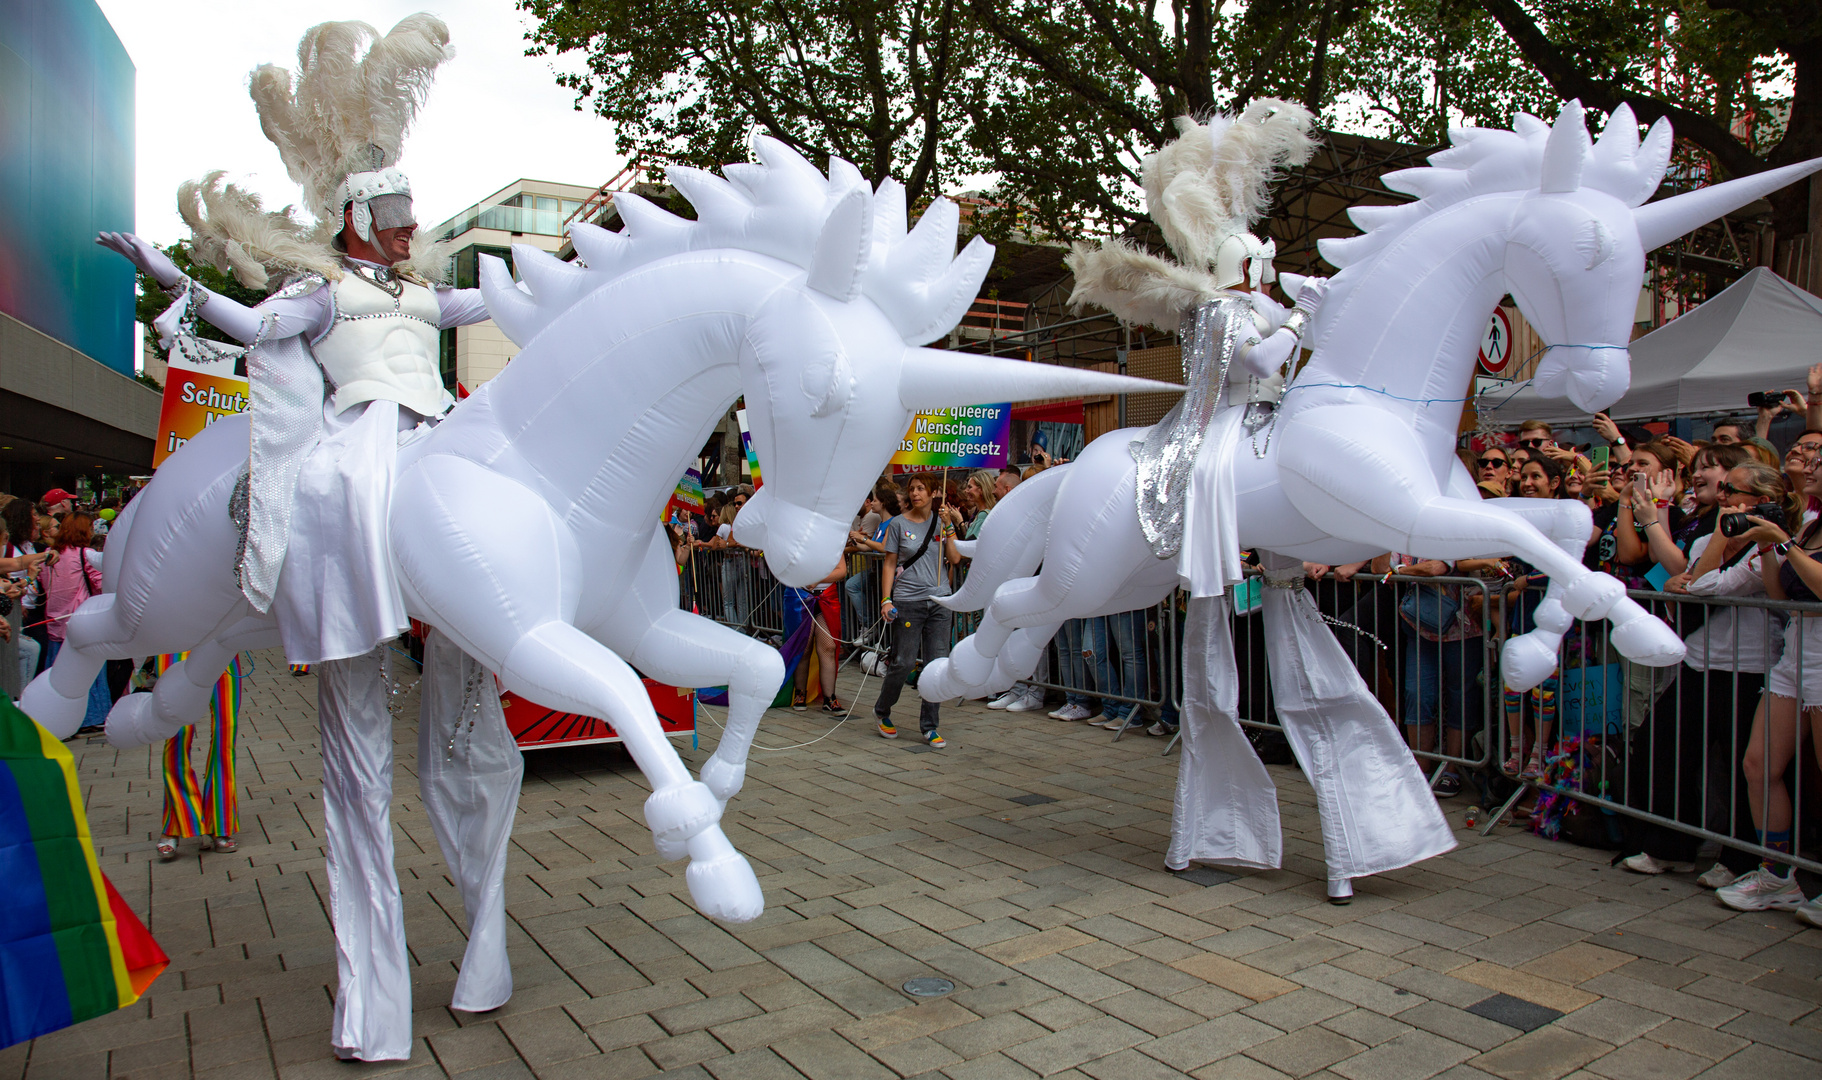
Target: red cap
55,496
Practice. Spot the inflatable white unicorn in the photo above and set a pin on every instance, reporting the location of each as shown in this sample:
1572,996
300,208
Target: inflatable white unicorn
525,525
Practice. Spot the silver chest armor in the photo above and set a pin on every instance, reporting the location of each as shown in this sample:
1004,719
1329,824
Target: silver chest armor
382,346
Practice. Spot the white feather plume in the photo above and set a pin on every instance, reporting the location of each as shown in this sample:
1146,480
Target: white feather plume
1216,178
1135,285
355,93
230,230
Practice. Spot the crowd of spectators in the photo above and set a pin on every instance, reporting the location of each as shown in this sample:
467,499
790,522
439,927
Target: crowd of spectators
50,561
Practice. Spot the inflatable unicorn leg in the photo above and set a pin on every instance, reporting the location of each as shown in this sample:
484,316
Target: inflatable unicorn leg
469,774
505,592
1335,470
182,695
59,697
1528,659
684,649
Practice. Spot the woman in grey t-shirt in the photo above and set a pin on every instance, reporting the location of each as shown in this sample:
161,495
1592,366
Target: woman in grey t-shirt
917,544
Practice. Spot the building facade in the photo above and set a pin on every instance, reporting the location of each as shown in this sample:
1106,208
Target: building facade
531,212
69,405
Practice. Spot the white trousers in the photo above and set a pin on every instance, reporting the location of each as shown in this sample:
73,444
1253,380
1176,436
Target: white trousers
470,793
469,771
1376,809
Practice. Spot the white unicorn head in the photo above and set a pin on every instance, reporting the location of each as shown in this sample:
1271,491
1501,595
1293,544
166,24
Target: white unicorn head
815,297
1574,256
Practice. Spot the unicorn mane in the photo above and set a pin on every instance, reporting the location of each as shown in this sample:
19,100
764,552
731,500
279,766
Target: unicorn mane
1533,156
1480,161
854,240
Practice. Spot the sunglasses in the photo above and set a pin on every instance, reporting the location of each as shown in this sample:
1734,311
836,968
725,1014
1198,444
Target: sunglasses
1492,463
1729,489
1534,443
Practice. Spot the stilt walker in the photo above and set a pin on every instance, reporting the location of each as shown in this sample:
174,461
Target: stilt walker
343,365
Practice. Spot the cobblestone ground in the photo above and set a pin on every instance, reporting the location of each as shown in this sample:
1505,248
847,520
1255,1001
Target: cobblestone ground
1023,862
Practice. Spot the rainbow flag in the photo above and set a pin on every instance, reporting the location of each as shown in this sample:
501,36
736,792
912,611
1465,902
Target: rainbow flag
70,948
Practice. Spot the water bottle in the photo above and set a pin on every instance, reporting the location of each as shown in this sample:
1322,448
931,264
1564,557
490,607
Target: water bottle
1471,819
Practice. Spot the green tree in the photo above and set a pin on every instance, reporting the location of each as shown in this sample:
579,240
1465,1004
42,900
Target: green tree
1739,79
877,82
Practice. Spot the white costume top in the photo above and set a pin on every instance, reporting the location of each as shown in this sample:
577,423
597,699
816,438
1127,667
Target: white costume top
341,373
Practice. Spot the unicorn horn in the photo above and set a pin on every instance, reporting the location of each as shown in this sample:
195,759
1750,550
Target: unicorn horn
932,378
1663,221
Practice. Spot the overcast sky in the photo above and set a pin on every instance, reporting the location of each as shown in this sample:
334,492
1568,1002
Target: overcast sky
494,114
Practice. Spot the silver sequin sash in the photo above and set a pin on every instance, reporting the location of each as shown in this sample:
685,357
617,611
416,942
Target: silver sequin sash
1167,455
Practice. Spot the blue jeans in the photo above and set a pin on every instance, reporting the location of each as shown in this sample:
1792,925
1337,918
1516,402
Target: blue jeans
1074,673
100,701
1441,681
1126,677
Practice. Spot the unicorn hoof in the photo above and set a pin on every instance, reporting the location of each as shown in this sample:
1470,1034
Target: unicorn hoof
937,682
722,883
1646,640
130,722
1593,596
1526,661
967,664
59,715
723,777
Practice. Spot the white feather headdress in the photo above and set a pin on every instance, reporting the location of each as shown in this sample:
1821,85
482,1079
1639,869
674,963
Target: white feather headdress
354,96
1212,183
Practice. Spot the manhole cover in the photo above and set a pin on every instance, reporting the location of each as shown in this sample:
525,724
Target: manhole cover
929,987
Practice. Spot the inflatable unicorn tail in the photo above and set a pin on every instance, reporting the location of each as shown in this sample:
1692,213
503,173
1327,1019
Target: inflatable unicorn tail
1011,543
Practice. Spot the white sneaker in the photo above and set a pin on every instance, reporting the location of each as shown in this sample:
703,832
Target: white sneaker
1036,697
1716,877
1762,890
1070,712
1810,911
1645,864
1006,699
1027,703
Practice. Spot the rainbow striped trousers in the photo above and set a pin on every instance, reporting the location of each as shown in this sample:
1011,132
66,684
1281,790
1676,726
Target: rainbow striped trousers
208,808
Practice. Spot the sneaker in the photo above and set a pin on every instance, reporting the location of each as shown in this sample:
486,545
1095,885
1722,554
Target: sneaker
886,730
1111,723
833,705
1810,911
1161,730
1448,786
1007,699
1717,877
1072,712
1645,864
1762,890
1030,702
934,741
798,704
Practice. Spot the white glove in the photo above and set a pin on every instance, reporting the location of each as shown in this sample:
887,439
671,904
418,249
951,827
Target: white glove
143,255
1310,294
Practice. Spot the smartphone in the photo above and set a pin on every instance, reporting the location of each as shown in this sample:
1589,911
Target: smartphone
1598,456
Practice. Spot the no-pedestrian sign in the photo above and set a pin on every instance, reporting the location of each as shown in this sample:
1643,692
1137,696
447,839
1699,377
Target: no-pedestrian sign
1496,343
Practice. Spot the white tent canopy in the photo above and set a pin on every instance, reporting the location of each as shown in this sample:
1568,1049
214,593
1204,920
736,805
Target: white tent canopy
1760,333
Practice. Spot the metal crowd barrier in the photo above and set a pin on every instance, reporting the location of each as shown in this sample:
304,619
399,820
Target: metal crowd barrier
1645,748
1668,748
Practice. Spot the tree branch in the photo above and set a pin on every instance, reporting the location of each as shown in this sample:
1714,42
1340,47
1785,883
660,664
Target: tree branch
1570,81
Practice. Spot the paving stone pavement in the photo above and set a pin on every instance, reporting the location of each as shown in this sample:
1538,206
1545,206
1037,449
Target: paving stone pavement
1073,952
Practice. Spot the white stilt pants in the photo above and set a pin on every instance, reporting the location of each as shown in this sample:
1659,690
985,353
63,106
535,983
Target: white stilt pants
469,770
469,777
373,975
